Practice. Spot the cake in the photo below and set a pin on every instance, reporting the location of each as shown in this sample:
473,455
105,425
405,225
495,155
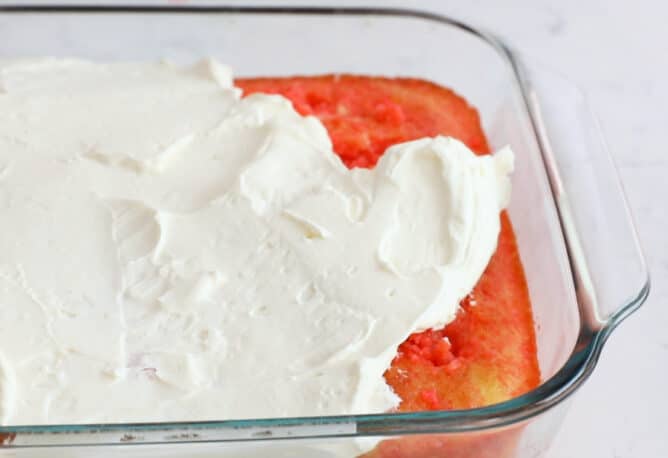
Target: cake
488,353
175,251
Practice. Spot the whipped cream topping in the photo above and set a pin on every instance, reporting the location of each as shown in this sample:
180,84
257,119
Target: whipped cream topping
171,251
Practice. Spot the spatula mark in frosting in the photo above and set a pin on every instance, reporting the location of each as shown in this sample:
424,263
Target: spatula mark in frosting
156,164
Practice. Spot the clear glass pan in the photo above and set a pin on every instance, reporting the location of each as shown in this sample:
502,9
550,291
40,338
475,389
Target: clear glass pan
584,268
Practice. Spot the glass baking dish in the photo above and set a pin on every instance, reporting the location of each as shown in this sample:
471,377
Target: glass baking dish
584,268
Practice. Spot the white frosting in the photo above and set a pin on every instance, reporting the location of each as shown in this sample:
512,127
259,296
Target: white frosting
170,251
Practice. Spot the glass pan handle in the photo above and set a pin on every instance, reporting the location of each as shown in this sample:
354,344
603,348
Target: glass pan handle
608,266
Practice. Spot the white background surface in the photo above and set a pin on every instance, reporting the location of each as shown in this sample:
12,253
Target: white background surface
617,51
